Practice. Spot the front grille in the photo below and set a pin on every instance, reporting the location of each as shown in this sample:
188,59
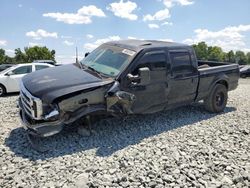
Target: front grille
31,105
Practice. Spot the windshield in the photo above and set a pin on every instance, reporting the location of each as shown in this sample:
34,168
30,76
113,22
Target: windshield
108,60
8,69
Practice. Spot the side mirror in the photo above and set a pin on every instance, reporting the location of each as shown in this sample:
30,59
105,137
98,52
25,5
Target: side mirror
143,77
144,74
9,73
86,54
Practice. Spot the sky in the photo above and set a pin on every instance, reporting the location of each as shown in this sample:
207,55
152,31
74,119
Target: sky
63,25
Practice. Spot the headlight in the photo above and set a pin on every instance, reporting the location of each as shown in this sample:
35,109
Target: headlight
52,115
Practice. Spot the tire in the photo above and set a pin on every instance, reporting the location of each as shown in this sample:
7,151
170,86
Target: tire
217,99
243,76
2,90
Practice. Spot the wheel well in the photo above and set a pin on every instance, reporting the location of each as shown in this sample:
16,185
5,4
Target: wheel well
3,87
223,82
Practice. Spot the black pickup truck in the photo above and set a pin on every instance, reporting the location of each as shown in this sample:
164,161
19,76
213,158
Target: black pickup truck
122,78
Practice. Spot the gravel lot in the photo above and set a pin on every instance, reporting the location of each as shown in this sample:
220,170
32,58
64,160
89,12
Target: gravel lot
186,147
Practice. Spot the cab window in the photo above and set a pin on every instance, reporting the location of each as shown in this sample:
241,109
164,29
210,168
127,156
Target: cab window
23,70
40,67
181,63
155,61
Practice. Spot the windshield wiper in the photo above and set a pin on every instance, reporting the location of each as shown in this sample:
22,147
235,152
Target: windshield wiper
93,70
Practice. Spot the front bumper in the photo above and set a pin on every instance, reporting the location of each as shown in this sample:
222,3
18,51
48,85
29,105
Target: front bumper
41,129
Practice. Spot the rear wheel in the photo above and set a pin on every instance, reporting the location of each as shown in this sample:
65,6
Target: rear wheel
2,90
243,76
217,99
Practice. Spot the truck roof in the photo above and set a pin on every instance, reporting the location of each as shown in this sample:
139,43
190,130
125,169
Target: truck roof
138,45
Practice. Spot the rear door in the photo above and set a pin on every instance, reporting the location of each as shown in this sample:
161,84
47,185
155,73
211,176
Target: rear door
184,77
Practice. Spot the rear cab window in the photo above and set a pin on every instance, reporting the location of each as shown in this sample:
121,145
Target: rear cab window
181,63
40,67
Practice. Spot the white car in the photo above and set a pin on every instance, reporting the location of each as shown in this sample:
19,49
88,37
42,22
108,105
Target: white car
10,78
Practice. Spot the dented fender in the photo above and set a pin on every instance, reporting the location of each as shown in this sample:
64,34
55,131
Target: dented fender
119,101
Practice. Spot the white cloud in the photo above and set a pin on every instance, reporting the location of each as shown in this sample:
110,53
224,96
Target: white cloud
167,23
160,15
40,33
171,3
246,50
123,9
66,37
10,52
167,40
3,42
68,43
229,38
69,18
153,26
20,5
91,10
89,36
32,44
92,46
83,15
129,37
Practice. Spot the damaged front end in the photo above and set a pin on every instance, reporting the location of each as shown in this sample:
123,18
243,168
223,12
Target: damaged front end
44,120
119,102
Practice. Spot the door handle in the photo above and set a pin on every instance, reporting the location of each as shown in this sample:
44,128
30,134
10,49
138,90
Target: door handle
137,87
166,84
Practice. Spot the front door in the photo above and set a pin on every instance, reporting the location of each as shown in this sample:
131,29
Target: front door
15,76
152,96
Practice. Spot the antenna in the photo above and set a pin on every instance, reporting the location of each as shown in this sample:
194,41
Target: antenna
80,64
76,55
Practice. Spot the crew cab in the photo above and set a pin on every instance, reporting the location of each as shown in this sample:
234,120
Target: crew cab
123,78
10,78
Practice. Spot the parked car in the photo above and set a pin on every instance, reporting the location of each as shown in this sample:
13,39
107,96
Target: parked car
5,66
122,78
51,62
245,71
10,78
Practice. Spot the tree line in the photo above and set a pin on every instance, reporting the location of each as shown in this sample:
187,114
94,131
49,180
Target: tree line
203,52
29,55
215,53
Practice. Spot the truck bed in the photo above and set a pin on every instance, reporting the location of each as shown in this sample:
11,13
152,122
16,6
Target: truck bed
211,73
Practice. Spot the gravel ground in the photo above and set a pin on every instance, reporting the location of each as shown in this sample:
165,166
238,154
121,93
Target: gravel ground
186,147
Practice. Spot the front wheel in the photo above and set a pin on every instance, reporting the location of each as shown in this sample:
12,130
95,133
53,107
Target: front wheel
2,90
217,99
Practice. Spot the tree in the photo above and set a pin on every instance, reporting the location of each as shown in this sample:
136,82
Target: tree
201,50
39,53
248,58
29,55
241,58
215,53
2,55
20,57
231,56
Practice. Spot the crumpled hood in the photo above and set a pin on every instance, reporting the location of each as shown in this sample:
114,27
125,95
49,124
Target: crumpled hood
51,83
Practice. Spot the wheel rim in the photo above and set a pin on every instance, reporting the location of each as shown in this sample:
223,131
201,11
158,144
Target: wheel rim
1,90
219,98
